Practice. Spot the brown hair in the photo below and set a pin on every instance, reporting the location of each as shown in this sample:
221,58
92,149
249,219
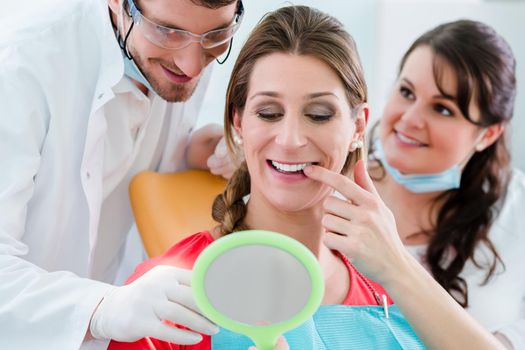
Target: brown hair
211,4
484,67
214,4
299,30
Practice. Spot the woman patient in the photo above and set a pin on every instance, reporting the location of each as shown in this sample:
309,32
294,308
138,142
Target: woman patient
296,111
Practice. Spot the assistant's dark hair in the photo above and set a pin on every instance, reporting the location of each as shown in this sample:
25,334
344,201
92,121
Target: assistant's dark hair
299,30
484,67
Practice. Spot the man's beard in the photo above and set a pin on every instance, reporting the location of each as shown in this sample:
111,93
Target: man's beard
172,93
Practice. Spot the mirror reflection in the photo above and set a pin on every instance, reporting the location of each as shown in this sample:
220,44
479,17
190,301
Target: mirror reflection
257,284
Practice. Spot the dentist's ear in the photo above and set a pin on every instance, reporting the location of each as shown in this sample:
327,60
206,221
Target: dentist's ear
491,135
115,6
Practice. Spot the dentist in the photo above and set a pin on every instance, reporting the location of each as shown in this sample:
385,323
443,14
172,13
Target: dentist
92,92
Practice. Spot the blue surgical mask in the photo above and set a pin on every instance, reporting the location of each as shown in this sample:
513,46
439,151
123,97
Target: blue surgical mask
421,183
130,68
132,71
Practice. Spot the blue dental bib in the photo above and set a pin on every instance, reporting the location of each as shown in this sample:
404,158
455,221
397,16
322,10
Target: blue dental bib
340,327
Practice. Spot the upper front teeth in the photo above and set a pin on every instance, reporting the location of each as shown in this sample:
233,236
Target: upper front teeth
407,140
289,167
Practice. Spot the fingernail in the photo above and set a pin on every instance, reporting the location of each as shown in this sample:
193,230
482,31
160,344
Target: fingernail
308,170
197,338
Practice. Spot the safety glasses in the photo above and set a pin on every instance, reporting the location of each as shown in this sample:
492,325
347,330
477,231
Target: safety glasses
174,39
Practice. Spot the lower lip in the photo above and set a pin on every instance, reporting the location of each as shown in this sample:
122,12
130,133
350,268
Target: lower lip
179,79
287,177
406,144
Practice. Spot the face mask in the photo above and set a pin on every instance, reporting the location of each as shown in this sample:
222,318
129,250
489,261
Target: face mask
131,70
421,183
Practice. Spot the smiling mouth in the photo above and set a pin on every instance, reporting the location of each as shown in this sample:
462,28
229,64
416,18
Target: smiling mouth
409,140
287,168
175,77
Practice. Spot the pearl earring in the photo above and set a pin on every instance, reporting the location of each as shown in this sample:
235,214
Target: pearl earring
237,139
355,145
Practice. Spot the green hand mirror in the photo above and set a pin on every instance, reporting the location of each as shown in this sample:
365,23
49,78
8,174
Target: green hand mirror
258,283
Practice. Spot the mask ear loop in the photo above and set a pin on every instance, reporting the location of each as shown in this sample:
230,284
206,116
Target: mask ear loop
228,54
239,12
123,43
124,46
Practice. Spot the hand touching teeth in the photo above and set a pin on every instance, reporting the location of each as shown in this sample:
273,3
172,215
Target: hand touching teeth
290,168
361,226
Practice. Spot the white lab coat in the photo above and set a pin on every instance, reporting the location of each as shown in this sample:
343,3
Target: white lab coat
500,304
57,71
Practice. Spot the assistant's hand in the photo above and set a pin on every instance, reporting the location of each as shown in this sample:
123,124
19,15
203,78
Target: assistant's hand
137,310
221,162
361,226
207,150
282,344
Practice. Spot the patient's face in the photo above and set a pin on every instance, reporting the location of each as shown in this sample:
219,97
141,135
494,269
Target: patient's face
296,113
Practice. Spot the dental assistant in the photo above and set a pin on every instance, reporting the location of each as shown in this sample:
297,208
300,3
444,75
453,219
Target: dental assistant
92,92
442,164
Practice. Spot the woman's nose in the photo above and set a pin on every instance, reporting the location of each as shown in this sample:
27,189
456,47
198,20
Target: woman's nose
291,133
414,116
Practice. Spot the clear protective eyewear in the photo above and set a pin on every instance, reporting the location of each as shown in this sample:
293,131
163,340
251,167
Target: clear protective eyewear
170,38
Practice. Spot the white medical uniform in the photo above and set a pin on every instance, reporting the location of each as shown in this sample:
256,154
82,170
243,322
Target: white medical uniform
73,131
500,304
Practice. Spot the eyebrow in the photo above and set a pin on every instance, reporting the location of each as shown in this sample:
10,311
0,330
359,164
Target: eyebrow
440,96
307,97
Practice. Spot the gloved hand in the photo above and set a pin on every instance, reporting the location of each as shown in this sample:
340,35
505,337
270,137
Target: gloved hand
220,162
137,310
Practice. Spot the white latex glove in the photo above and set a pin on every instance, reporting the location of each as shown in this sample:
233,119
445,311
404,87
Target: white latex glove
137,310
220,162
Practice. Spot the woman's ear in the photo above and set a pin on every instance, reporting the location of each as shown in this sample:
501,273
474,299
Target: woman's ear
361,120
365,111
237,133
237,121
492,133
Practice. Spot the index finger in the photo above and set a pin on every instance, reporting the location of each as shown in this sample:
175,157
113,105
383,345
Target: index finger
338,182
183,276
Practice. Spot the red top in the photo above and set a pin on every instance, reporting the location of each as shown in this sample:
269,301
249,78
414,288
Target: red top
184,254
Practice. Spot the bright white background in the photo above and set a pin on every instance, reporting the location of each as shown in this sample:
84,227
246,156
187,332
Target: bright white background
383,30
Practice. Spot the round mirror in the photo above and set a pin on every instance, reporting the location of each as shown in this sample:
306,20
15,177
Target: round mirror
258,283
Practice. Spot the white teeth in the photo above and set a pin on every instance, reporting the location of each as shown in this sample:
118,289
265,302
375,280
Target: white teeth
289,168
407,140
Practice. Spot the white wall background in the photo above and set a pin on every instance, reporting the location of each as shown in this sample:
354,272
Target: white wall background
383,30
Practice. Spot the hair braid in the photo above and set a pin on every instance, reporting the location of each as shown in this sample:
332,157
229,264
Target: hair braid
229,208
